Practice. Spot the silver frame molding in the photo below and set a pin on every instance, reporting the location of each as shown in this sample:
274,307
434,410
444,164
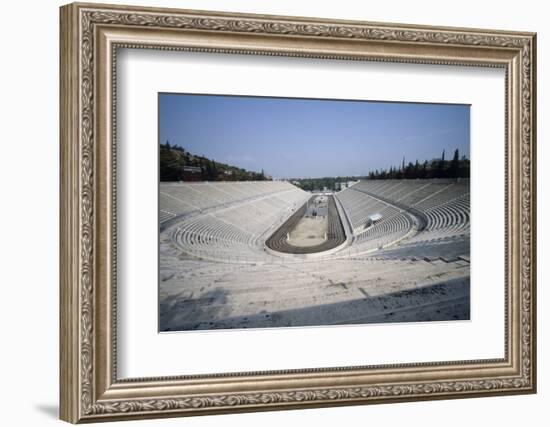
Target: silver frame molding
90,37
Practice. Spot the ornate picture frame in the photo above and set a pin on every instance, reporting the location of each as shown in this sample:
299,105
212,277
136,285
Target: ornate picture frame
90,37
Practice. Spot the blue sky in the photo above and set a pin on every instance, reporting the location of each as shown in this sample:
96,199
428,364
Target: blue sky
312,138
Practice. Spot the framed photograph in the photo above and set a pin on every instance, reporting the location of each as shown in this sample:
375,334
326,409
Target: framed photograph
266,212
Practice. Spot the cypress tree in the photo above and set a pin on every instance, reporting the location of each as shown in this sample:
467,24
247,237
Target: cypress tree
455,165
441,171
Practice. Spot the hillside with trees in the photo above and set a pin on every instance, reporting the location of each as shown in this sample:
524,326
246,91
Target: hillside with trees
177,164
456,167
436,168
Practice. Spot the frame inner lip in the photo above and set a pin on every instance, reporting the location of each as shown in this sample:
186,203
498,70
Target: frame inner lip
489,362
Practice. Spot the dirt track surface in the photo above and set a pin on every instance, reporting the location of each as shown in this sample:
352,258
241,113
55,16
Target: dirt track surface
335,232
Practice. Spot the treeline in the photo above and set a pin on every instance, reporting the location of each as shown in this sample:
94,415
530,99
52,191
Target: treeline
329,182
177,164
435,168
457,167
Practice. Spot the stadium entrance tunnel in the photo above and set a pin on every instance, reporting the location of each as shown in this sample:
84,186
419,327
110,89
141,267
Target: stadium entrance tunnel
315,227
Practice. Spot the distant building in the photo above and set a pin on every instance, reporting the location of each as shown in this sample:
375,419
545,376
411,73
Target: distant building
192,173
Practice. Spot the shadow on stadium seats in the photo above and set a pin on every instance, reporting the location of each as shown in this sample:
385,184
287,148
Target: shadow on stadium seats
438,302
194,312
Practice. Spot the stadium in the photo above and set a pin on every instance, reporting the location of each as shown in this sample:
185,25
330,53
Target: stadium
254,254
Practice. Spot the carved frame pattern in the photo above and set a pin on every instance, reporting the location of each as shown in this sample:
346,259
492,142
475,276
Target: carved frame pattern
79,399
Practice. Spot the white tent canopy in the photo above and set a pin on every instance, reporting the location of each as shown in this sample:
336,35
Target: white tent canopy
375,217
